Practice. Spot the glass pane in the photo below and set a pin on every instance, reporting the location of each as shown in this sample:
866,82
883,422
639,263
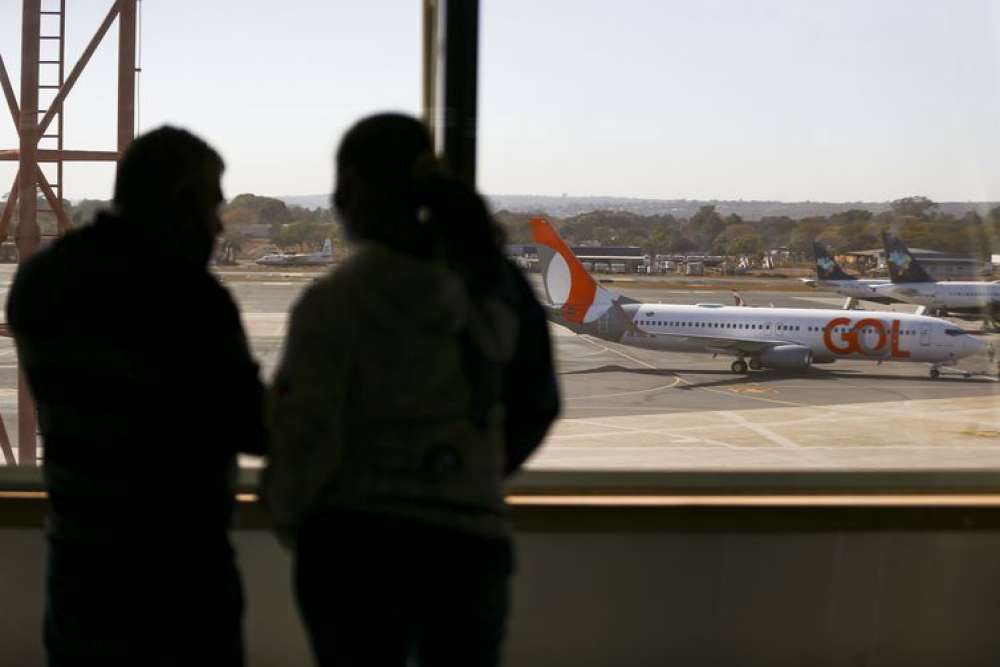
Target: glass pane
710,144
272,87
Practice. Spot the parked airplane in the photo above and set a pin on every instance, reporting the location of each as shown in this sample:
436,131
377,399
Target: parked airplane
779,338
911,283
274,259
831,277
324,256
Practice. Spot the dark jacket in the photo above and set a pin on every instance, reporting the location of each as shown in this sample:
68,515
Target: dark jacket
144,382
400,394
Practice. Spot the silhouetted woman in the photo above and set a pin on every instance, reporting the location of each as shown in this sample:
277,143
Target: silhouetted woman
416,377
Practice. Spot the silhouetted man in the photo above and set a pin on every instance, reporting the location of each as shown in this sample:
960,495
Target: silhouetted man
146,391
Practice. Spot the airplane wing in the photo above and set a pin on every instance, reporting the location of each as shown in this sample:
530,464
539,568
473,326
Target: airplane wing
723,344
809,281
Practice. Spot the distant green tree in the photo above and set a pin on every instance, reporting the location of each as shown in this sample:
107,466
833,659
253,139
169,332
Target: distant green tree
775,231
800,240
681,245
916,207
302,235
745,245
852,216
85,210
704,226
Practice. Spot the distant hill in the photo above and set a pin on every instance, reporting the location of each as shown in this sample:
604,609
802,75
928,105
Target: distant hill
680,208
306,201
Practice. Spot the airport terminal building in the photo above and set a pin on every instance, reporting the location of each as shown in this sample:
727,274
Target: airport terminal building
599,259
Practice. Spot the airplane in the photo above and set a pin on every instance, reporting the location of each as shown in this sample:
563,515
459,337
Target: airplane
274,259
324,256
764,337
830,276
910,282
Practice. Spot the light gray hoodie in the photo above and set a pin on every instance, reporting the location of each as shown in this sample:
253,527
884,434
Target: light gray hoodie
372,407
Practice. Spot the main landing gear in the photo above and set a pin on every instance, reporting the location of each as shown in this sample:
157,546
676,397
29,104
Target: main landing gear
935,372
739,367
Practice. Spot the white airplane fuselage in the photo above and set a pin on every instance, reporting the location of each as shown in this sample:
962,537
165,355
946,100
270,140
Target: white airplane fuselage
854,289
829,334
274,260
955,296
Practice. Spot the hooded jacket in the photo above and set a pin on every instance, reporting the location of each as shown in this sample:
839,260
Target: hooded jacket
399,394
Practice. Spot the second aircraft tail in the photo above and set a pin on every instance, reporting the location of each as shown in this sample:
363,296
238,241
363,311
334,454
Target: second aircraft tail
826,266
903,266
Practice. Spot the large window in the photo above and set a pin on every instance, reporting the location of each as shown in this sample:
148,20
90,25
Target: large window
687,153
271,86
713,143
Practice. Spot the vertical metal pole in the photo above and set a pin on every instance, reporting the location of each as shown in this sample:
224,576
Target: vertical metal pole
27,236
430,65
461,69
126,72
62,74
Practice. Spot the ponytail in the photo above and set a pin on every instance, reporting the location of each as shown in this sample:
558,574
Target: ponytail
462,231
423,209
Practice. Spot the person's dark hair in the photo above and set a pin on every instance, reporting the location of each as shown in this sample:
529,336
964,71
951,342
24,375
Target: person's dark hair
161,170
423,208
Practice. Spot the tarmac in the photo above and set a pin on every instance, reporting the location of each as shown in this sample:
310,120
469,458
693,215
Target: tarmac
631,409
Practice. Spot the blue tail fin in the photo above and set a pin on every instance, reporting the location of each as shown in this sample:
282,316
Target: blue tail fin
903,266
826,266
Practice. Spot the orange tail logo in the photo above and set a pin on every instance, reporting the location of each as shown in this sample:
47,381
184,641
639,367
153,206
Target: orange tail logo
566,281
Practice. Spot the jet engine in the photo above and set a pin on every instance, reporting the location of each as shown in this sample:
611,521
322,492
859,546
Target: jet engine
786,357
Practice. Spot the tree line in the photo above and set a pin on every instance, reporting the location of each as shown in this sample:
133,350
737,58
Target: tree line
246,215
917,220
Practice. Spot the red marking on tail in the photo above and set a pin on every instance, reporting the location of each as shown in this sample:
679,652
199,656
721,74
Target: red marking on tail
583,288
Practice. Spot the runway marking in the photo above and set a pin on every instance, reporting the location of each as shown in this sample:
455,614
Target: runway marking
762,430
688,382
577,356
625,393
752,389
958,433
586,339
722,392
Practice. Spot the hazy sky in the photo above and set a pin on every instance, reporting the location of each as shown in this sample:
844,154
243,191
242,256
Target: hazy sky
728,99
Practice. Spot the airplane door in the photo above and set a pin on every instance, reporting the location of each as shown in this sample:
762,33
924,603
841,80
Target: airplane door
925,335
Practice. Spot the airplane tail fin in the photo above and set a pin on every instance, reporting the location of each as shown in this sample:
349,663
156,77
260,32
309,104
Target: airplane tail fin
570,290
903,266
327,247
826,266
738,298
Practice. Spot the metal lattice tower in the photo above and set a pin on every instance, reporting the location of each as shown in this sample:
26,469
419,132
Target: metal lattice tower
38,129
